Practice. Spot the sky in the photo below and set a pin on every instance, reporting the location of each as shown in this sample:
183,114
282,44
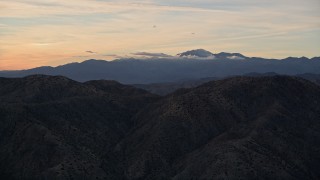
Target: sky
54,32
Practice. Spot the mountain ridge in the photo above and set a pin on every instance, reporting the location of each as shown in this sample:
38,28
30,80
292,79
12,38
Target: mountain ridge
193,112
53,126
197,53
194,64
248,127
169,87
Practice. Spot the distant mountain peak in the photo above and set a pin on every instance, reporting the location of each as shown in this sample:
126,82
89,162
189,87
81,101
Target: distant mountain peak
93,61
199,53
226,55
297,58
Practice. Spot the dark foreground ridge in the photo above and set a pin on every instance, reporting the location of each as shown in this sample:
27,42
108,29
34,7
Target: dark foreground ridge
243,127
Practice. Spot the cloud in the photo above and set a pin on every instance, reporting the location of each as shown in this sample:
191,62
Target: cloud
236,57
49,28
149,55
152,55
80,56
3,25
110,55
196,57
36,8
114,56
91,52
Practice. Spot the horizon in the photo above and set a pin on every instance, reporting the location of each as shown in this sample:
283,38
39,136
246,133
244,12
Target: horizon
37,33
145,56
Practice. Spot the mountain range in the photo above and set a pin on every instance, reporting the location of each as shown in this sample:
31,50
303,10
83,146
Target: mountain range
167,88
245,127
189,65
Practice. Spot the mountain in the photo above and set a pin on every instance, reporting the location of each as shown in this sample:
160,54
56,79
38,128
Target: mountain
167,88
201,53
311,77
197,53
52,127
55,128
236,56
242,127
198,65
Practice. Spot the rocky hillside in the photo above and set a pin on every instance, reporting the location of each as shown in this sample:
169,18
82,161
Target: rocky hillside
53,127
242,127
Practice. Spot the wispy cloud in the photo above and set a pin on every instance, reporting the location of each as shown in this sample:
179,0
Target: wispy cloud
152,55
80,56
91,52
51,32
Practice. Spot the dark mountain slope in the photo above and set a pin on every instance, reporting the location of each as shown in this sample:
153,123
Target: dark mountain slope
42,88
243,127
167,88
311,77
263,127
56,128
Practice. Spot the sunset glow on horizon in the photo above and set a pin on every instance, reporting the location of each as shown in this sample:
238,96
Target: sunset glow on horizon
53,32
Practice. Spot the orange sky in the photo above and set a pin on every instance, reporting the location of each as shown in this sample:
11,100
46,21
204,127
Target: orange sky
54,32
